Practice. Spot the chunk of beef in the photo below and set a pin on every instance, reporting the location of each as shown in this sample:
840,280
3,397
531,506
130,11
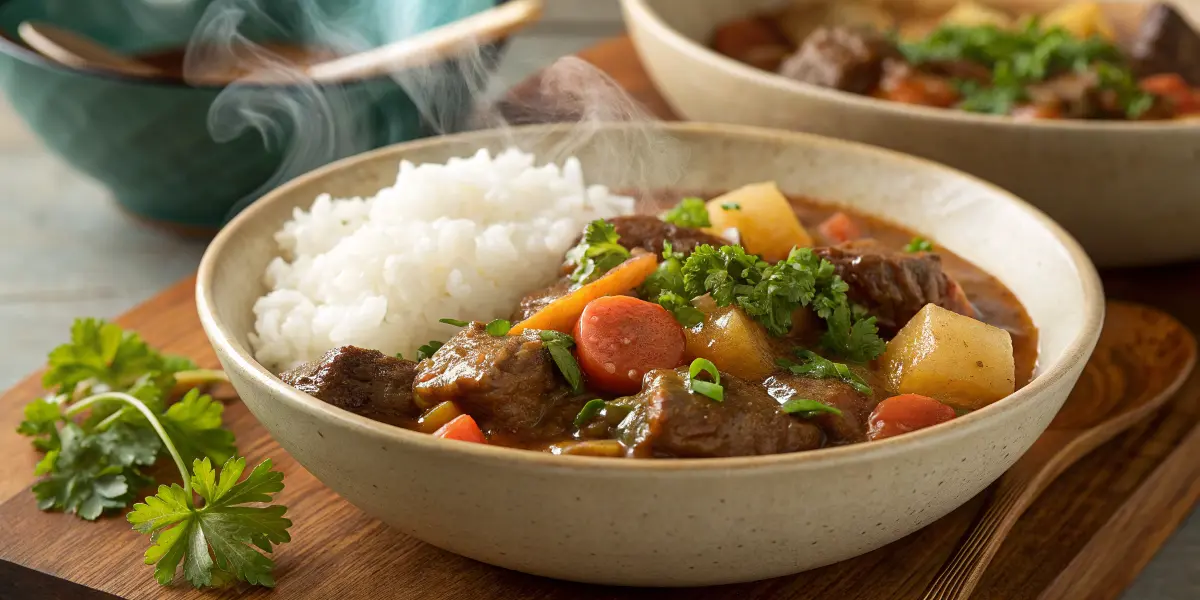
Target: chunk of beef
365,382
507,383
1080,96
538,299
1166,43
648,232
842,58
849,427
894,286
668,420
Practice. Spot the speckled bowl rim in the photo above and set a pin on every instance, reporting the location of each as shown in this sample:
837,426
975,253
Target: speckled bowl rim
700,53
35,58
1077,351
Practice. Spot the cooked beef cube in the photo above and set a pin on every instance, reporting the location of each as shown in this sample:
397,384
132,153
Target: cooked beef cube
847,59
668,420
849,427
537,300
1074,96
894,286
648,232
756,41
507,383
365,382
1166,43
959,69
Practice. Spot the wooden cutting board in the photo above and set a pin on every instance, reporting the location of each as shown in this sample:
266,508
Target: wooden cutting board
1087,537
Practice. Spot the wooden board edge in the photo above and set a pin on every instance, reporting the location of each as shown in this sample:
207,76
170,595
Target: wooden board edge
1168,496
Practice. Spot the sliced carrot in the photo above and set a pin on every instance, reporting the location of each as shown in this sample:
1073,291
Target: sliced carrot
839,228
904,413
462,428
561,314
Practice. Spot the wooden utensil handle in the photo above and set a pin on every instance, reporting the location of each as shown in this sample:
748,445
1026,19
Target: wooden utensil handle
424,48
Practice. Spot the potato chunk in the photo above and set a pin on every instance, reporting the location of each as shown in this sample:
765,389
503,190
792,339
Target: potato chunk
952,358
1081,19
974,14
732,341
764,218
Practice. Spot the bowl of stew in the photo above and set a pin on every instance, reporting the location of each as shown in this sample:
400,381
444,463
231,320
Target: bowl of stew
857,343
1085,109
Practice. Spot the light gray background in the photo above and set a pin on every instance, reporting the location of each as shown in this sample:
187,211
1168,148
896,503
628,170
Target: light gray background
66,251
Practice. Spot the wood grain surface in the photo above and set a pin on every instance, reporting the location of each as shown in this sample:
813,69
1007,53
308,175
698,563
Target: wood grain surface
1090,533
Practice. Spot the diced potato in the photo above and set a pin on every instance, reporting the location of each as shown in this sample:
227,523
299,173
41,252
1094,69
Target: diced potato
733,341
763,216
952,358
974,14
1082,19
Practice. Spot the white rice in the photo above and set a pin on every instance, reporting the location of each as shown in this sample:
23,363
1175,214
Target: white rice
464,240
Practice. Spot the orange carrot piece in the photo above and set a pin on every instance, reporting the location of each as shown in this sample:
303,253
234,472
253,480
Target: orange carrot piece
839,228
462,428
561,314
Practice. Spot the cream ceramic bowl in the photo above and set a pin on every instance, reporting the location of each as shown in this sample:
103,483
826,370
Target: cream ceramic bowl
676,522
1130,192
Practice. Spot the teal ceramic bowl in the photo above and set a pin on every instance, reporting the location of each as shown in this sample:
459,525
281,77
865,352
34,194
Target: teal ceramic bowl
193,155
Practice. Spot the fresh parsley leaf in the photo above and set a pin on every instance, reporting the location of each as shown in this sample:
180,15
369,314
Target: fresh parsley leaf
687,314
918,244
596,253
819,367
559,345
101,352
221,539
690,212
853,335
731,206
498,328
194,425
427,350
589,410
454,322
41,423
713,388
808,409
665,286
93,473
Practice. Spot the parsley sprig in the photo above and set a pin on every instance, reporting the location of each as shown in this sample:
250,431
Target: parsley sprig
690,212
597,253
107,417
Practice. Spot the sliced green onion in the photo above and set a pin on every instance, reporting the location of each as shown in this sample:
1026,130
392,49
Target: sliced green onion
454,322
498,328
808,409
919,244
589,410
731,206
713,388
559,344
428,350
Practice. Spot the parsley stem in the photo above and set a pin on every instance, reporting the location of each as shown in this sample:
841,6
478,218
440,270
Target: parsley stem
199,377
110,419
149,414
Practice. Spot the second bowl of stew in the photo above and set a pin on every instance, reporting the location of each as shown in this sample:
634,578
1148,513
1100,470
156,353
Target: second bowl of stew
1086,109
794,352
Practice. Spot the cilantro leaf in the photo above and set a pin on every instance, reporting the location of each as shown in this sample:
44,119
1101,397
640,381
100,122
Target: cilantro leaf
41,423
596,253
102,352
222,539
194,425
819,367
690,212
90,474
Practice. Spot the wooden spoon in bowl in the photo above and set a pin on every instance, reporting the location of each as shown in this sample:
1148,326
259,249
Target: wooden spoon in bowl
75,50
1142,358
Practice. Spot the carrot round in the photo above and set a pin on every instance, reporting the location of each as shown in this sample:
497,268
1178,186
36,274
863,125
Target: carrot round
904,413
562,314
839,228
620,338
462,428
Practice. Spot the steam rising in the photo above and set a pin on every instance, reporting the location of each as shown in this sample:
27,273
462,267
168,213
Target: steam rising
313,124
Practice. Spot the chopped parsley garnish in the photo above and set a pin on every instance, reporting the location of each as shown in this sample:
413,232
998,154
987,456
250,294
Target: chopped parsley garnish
853,335
589,411
596,253
428,350
498,327
559,344
454,322
665,286
731,206
808,409
713,388
819,367
1020,57
919,244
690,212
